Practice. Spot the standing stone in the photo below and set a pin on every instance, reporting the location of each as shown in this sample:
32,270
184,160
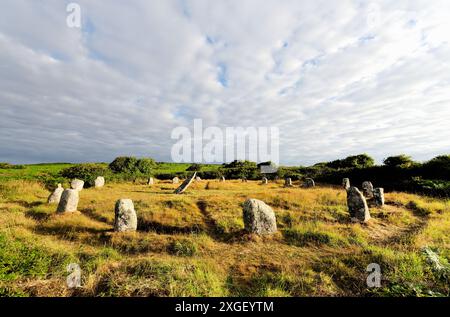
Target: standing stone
309,182
265,181
69,201
367,188
222,179
198,179
346,183
175,180
357,205
150,181
99,182
77,184
288,182
125,216
185,184
258,217
378,195
55,197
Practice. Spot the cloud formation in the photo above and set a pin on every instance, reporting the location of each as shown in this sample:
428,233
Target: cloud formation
336,77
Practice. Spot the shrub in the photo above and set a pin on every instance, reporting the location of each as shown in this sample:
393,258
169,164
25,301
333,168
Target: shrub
194,168
402,161
86,171
132,166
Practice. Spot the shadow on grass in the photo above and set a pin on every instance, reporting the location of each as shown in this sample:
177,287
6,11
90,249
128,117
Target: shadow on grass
146,225
37,215
95,216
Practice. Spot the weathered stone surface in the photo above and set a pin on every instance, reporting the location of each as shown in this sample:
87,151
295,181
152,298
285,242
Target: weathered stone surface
346,183
378,196
150,181
77,184
55,197
175,180
367,188
185,184
222,179
357,205
198,179
265,181
69,201
125,216
99,182
309,182
259,218
288,182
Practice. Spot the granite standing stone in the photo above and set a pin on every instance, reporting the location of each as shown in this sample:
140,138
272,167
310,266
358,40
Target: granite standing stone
175,180
125,216
258,217
99,182
378,195
288,182
77,184
150,181
69,201
309,182
346,183
367,188
185,184
55,197
265,181
357,205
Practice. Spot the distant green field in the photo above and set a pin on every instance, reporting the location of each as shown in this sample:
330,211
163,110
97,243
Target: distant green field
37,171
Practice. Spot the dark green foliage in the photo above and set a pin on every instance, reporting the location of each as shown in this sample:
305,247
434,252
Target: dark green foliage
356,161
87,172
194,168
401,160
4,165
130,168
241,169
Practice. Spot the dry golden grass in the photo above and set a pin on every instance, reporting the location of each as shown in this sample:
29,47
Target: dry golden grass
194,245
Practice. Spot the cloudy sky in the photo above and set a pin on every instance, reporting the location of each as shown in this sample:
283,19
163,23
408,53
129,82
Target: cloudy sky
336,77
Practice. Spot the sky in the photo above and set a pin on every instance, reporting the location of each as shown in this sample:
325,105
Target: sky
337,78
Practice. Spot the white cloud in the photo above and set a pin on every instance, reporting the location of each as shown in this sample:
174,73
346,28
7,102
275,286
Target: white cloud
333,83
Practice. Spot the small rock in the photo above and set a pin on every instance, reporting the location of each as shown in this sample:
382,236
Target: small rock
258,217
175,180
125,216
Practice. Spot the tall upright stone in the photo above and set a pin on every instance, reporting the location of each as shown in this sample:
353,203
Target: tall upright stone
346,183
258,217
125,216
55,197
288,182
265,181
69,201
357,205
150,181
222,179
187,182
378,195
367,188
77,184
175,180
309,182
99,182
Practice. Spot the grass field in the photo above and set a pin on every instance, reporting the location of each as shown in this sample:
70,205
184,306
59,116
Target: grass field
194,244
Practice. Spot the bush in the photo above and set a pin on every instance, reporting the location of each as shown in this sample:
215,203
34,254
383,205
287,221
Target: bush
402,161
194,168
132,166
87,172
4,165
